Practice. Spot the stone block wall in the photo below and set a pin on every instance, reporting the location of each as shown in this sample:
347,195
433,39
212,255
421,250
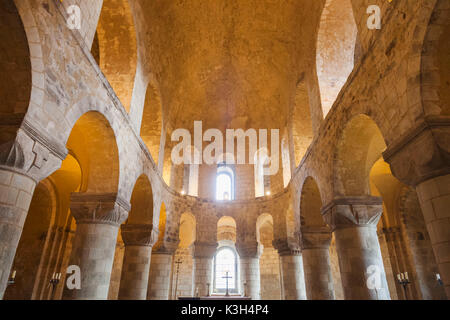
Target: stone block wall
269,263
116,272
336,273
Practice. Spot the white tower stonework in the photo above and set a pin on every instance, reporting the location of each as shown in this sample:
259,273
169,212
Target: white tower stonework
91,127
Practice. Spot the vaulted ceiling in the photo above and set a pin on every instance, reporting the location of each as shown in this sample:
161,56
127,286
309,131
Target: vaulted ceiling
231,64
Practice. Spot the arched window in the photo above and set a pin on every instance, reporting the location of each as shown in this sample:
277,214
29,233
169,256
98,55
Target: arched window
262,180
225,261
224,183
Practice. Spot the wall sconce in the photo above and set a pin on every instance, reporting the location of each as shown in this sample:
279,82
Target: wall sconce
12,279
403,280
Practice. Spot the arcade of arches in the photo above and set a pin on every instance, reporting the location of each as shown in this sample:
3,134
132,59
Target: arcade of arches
362,190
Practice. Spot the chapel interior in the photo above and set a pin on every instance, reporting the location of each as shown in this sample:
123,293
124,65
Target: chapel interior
342,108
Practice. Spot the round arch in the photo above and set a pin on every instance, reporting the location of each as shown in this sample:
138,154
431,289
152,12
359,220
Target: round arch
335,49
117,48
141,202
15,92
226,264
359,146
311,204
32,242
187,231
264,220
435,62
226,229
93,141
151,123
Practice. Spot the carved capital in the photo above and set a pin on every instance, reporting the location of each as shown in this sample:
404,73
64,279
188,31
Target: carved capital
11,155
287,247
204,249
248,249
347,212
166,246
422,153
106,208
139,235
316,237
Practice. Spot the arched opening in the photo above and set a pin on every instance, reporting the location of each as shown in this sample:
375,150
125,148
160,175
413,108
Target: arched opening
226,230
301,123
335,50
228,260
161,226
225,270
269,263
141,202
32,243
310,205
225,183
404,240
359,147
435,63
15,91
151,124
286,159
141,213
117,48
93,141
313,228
46,240
182,281
262,179
93,144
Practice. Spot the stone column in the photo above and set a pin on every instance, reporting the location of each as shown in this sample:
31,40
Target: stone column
138,240
420,158
393,263
249,269
161,271
316,262
98,218
291,267
203,257
16,192
354,223
434,196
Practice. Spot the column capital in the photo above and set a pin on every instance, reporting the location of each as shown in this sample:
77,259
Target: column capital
422,153
139,235
248,249
101,208
359,211
204,249
166,246
31,151
287,247
11,155
316,237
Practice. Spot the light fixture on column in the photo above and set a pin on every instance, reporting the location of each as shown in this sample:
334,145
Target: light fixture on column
268,193
183,192
439,280
54,281
403,280
197,293
12,279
